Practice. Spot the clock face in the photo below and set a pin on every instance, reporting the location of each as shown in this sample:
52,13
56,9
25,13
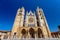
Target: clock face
30,20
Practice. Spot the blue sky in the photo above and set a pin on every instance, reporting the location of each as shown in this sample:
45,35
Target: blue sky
8,9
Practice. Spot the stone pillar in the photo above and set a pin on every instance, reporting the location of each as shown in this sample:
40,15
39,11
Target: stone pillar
54,36
2,36
9,36
28,35
58,35
35,37
41,35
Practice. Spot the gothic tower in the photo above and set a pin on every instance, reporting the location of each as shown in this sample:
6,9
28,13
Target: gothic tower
19,20
41,22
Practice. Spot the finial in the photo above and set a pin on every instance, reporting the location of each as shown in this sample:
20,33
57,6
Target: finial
18,9
41,9
30,11
22,8
27,12
37,7
34,12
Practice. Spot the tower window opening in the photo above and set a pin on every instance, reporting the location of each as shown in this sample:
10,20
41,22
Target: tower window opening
23,23
38,23
41,17
40,14
39,11
20,11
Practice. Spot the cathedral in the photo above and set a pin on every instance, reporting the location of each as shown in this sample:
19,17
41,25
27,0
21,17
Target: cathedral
33,26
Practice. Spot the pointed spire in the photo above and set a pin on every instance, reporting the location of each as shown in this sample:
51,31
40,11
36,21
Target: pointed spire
41,9
37,7
18,9
34,12
27,13
31,13
22,8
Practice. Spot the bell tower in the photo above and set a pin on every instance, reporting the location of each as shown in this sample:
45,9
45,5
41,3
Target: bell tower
19,20
41,22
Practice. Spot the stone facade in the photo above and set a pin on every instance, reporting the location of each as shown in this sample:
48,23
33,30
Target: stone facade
31,26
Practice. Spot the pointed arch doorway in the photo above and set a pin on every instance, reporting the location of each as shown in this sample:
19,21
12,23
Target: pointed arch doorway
24,32
40,34
32,32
